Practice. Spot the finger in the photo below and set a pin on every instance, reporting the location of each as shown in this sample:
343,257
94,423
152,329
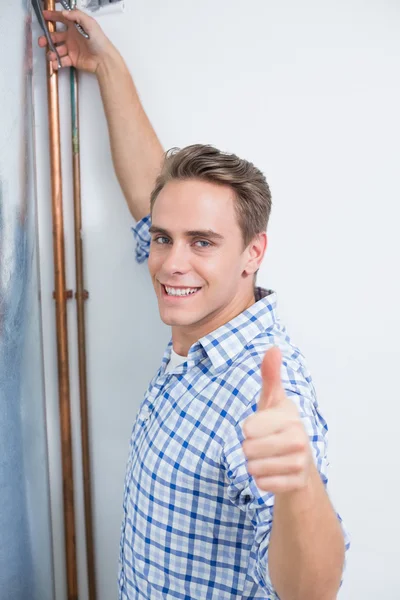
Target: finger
265,423
278,465
279,485
62,51
78,16
65,62
57,38
277,444
55,16
272,390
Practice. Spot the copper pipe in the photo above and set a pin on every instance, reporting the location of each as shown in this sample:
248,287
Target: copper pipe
81,296
61,325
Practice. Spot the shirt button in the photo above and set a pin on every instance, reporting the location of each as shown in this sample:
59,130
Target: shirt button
145,414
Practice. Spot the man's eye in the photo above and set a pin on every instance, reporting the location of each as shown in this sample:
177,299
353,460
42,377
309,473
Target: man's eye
202,243
161,240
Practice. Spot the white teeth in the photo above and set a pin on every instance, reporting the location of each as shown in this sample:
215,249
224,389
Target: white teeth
180,291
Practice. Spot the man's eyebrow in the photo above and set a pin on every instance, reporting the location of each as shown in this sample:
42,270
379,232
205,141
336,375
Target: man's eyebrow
207,233
155,229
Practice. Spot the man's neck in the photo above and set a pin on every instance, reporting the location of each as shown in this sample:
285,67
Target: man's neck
183,337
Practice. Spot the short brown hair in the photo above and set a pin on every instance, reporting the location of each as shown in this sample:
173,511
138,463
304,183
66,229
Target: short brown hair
207,163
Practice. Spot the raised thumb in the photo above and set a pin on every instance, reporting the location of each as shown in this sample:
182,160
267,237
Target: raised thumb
272,390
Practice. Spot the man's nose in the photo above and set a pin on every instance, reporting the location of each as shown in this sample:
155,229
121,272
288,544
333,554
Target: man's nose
177,259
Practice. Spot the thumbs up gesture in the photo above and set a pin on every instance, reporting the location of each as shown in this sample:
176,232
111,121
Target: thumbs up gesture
276,445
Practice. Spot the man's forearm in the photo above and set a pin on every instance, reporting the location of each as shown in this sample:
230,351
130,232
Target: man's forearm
306,551
136,151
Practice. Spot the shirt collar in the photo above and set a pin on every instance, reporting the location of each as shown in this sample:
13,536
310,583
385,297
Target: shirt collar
225,343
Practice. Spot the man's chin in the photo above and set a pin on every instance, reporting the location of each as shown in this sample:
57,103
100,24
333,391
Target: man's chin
178,320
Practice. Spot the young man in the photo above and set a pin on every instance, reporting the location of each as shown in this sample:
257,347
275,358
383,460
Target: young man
225,484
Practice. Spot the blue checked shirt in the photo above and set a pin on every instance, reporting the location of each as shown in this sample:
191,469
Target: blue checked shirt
195,525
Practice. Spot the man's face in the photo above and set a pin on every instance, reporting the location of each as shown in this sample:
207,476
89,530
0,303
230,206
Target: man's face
197,260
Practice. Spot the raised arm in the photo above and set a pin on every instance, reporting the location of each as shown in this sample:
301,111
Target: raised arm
136,151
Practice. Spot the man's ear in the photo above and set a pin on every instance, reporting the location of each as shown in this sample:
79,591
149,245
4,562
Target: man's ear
255,252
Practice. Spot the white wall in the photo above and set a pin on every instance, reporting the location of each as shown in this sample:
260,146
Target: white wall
309,91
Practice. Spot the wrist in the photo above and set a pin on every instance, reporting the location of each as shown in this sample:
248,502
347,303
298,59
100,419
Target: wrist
110,61
304,498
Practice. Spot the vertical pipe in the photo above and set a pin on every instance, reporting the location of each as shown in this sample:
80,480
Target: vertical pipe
81,296
61,325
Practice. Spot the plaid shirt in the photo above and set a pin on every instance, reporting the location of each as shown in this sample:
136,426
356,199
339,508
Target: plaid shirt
196,526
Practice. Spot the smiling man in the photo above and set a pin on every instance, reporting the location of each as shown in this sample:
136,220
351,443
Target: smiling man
204,253
225,488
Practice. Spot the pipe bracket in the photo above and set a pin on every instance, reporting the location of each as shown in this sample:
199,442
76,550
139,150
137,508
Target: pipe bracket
68,294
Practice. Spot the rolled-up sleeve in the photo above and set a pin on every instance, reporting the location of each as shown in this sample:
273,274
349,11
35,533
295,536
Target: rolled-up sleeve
259,505
242,489
143,238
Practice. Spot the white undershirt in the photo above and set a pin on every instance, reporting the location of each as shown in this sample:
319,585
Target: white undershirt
175,361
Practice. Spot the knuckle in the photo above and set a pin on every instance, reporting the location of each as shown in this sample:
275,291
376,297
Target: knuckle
299,463
300,443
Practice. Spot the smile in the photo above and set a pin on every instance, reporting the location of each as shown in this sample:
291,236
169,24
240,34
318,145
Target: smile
181,292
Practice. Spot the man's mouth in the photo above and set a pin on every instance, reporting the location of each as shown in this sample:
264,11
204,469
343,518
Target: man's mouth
181,292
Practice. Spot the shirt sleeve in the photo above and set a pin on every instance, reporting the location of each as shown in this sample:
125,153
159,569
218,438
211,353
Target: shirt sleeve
143,238
242,489
259,505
